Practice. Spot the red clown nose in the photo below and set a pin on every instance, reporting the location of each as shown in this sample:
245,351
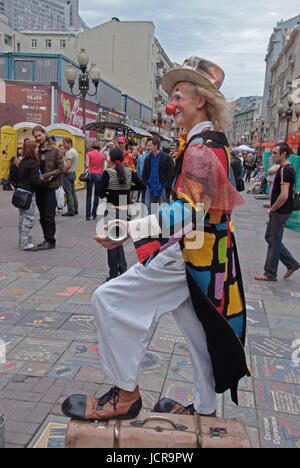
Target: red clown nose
171,109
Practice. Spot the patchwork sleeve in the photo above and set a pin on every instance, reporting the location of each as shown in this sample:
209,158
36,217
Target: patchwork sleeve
204,185
155,233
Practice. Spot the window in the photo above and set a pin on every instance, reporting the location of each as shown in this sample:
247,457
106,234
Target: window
63,44
34,43
48,43
8,40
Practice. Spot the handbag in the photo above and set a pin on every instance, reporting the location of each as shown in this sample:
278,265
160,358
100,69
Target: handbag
240,186
85,175
296,201
60,197
22,199
6,185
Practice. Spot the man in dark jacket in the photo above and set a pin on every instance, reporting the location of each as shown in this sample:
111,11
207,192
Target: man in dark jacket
158,174
236,166
52,170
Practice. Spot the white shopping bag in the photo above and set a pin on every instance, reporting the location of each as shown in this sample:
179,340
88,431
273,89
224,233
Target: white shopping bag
60,197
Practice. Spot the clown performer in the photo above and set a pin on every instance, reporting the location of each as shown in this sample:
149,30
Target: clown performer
199,282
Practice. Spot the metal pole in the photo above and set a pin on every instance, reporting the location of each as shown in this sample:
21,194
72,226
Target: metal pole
287,131
84,124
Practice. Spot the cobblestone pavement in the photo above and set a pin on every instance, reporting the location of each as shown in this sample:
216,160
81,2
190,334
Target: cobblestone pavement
51,346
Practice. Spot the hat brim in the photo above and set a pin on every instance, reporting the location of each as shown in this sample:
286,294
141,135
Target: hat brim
177,75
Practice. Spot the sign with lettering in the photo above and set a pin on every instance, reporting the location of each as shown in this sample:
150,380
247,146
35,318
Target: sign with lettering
70,112
24,102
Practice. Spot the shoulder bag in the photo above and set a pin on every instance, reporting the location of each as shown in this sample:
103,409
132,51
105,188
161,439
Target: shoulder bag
85,175
22,199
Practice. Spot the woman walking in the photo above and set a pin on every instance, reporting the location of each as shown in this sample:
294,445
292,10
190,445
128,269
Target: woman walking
30,180
115,186
95,162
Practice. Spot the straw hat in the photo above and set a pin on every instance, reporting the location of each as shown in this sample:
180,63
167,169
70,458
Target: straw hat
196,70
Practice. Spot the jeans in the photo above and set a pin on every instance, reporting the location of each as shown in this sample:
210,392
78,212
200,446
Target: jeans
69,188
150,199
46,203
94,180
26,223
276,250
116,261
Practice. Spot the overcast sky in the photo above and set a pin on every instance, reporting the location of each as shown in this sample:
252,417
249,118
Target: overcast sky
232,33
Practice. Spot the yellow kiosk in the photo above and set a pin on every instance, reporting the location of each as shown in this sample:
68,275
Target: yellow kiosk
13,138
8,149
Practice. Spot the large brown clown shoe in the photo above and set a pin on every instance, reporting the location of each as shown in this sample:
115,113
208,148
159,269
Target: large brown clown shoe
167,405
115,404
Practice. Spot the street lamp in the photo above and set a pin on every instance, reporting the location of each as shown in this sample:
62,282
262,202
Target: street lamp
287,114
84,78
160,118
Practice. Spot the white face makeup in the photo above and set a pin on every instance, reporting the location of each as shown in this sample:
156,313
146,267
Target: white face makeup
176,99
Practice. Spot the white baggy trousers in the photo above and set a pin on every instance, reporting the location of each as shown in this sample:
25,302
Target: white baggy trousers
128,308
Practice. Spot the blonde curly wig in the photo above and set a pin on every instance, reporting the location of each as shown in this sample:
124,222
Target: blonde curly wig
218,110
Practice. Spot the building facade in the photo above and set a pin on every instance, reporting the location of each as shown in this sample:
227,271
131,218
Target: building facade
282,69
246,112
130,57
284,75
43,15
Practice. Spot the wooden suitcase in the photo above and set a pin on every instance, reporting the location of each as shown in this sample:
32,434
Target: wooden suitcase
157,430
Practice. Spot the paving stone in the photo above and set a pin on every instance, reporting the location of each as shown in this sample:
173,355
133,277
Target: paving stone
4,379
278,430
180,369
91,374
282,309
277,396
254,436
183,392
51,434
81,353
248,415
245,399
45,319
35,369
181,350
80,323
10,341
38,350
9,317
269,346
63,371
21,395
280,370
12,367
285,323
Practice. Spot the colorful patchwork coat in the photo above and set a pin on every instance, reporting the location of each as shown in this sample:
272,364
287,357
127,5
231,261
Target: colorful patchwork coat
202,190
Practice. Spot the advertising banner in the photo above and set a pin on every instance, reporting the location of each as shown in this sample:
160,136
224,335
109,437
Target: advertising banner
24,102
70,113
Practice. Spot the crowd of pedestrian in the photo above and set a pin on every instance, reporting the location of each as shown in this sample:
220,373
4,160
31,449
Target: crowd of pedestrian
120,169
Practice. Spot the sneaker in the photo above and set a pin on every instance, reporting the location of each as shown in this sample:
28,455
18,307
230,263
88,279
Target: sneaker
116,404
29,247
